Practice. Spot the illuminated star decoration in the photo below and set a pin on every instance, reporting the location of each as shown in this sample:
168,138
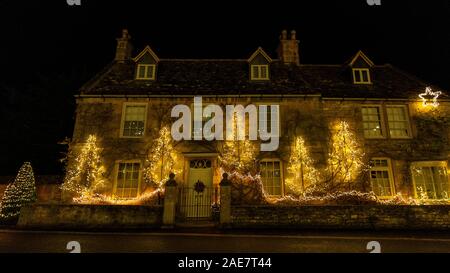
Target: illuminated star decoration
429,96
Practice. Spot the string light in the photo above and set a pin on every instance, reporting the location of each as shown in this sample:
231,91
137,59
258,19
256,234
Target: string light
238,155
85,175
301,166
428,96
19,193
149,198
161,159
246,188
346,157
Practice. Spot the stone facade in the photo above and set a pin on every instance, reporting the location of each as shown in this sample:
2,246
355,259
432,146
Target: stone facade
89,217
309,118
342,217
310,97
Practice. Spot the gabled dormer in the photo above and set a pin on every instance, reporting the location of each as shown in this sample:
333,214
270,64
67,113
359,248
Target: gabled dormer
361,67
146,65
259,65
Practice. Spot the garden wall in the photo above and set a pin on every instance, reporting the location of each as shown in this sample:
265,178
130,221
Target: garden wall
47,187
90,216
342,217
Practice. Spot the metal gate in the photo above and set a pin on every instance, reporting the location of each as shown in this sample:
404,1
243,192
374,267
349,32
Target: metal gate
195,203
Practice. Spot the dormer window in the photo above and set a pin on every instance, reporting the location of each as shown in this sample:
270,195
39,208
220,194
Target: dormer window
361,67
361,76
259,72
259,64
146,72
146,65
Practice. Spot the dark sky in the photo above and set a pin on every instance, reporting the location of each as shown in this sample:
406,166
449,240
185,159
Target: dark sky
49,49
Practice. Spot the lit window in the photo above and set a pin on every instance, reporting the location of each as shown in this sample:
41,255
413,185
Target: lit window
381,178
430,180
146,72
259,72
398,121
372,122
271,176
361,76
127,184
134,117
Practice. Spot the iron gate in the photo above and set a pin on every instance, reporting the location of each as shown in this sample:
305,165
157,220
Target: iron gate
196,203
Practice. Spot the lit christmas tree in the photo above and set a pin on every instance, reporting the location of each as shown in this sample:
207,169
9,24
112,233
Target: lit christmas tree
85,175
237,155
19,193
345,160
161,159
301,166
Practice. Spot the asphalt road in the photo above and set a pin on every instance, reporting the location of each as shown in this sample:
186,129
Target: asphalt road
12,241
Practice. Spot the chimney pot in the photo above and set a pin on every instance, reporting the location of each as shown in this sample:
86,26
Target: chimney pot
284,35
125,33
293,35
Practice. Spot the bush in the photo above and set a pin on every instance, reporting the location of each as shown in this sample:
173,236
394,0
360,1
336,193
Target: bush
246,189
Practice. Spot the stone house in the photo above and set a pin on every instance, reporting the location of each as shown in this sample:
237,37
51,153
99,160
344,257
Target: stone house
405,138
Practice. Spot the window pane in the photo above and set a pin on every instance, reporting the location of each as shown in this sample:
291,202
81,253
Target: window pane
141,71
150,72
380,178
134,121
271,177
263,72
398,121
357,76
365,75
127,180
371,122
431,181
255,72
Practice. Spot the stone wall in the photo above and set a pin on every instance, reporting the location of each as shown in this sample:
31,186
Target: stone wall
89,216
342,217
45,193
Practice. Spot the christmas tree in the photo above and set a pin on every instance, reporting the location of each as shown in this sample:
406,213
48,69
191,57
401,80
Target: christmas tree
345,160
238,155
301,166
19,193
86,173
161,159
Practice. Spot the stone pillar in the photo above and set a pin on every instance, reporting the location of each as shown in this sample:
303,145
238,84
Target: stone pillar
170,202
225,201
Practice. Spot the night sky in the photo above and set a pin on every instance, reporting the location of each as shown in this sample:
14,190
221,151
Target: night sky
49,49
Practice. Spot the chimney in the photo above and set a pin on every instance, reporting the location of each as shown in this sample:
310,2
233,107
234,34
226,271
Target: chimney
288,48
124,47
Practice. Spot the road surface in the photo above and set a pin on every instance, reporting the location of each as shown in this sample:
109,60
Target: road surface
13,241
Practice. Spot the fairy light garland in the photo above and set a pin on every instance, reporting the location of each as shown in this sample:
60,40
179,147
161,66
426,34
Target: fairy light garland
237,155
161,159
346,157
301,167
19,193
85,175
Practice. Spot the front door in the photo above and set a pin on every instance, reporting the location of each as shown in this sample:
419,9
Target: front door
197,196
